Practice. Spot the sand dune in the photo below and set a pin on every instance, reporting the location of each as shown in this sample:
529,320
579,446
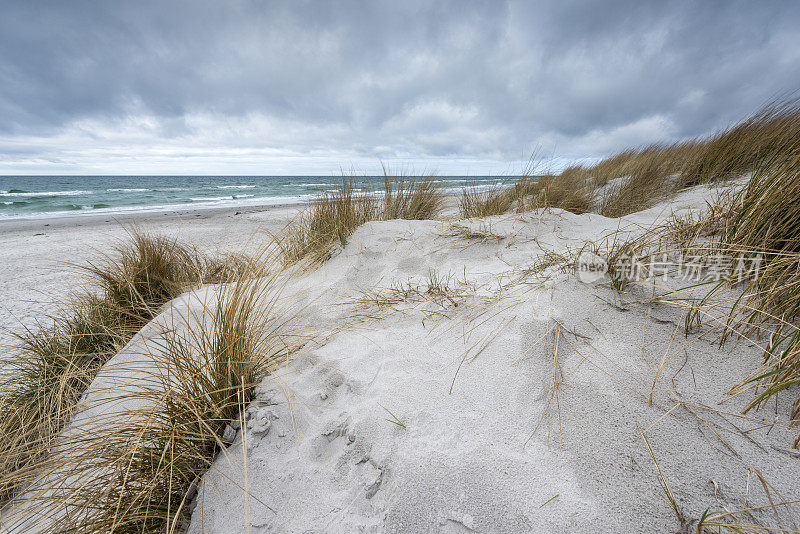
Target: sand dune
487,439
468,382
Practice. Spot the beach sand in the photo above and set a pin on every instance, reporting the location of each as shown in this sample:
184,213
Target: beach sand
518,403
41,258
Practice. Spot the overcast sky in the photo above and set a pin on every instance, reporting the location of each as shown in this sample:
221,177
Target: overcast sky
229,87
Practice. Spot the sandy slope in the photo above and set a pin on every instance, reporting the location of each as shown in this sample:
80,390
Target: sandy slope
487,441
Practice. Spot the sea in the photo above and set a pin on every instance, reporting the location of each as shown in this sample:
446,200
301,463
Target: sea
34,197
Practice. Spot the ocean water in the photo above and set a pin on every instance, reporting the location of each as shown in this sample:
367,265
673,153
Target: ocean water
56,196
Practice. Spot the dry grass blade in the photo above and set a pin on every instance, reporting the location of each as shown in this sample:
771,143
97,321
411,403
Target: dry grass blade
552,390
481,233
744,519
663,481
443,292
718,521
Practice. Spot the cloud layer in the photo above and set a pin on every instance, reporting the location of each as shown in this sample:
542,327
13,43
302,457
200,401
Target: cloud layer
306,87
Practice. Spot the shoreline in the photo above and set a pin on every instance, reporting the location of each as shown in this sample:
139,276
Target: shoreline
133,217
168,211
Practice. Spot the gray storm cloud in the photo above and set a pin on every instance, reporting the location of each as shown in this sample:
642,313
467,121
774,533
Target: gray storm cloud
302,87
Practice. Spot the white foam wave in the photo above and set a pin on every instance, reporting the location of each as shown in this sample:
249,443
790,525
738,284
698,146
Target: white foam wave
47,193
235,186
210,199
228,201
126,190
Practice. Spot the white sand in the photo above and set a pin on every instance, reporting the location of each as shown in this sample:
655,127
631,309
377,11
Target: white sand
39,258
486,442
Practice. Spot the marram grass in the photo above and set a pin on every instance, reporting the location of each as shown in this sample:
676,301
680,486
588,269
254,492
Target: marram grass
768,224
55,363
650,174
330,219
137,467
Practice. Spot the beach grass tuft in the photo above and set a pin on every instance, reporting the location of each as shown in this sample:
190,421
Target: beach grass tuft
651,174
478,201
139,468
58,360
569,191
144,272
327,223
645,186
767,225
411,199
47,378
334,216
